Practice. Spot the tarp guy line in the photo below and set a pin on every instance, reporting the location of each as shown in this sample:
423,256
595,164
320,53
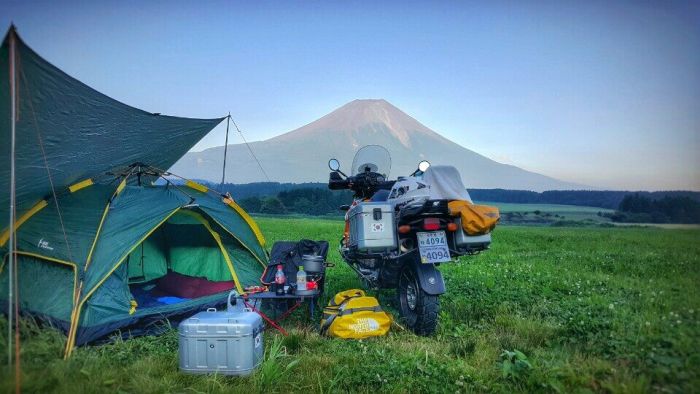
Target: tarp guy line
223,171
46,164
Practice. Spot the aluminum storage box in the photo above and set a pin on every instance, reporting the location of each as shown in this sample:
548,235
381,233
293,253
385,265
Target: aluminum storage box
228,342
372,226
471,242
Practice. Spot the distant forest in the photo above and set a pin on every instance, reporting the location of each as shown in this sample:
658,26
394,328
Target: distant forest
317,199
637,208
590,198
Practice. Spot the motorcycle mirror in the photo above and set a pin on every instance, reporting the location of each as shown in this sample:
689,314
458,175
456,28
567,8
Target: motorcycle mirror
423,165
334,164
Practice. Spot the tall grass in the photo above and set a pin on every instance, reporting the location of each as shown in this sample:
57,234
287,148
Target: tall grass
601,310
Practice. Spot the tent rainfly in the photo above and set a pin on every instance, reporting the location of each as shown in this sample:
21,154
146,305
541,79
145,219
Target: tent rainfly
97,237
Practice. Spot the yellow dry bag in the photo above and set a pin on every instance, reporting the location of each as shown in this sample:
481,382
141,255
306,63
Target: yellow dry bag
476,219
352,314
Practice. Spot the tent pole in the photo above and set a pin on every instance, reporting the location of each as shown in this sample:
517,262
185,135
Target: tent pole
223,172
11,243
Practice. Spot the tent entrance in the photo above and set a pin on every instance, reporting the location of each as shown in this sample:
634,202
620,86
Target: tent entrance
187,257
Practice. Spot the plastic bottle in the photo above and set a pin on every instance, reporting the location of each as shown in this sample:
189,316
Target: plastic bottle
301,278
280,280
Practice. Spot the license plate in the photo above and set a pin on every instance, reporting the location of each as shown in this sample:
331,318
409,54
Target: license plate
433,247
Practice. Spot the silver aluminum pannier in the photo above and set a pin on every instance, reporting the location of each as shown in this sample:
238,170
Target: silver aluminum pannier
372,226
228,342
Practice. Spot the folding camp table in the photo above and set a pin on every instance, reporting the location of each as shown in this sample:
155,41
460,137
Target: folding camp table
272,296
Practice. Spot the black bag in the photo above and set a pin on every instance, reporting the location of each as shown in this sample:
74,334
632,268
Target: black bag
288,253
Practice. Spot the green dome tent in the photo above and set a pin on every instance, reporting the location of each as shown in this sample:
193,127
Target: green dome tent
93,226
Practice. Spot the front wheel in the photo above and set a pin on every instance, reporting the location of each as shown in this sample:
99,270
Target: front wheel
418,309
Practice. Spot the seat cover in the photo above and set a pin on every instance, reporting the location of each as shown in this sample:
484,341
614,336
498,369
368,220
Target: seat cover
445,184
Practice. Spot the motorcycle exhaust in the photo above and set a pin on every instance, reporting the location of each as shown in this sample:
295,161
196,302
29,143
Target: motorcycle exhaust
406,245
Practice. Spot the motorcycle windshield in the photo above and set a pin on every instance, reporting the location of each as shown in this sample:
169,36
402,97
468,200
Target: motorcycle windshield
373,157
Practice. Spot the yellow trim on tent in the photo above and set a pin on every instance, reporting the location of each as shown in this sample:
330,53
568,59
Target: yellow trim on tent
80,185
73,330
72,326
119,189
247,218
217,238
121,186
196,186
20,221
97,235
88,260
240,242
2,265
58,261
73,319
48,259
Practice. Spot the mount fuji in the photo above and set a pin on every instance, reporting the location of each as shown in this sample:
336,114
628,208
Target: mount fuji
301,155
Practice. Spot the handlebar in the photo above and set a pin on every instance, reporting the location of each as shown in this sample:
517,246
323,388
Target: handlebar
364,185
336,182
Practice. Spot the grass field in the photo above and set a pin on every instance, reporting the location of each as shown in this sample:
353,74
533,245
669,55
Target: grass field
548,213
522,214
551,208
586,309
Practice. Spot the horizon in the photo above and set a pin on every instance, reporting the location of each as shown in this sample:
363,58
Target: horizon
597,94
214,183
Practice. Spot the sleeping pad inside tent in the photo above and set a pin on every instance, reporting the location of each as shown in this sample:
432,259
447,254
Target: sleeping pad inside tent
99,246
153,252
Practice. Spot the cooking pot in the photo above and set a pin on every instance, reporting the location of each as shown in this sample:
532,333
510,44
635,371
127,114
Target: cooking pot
312,264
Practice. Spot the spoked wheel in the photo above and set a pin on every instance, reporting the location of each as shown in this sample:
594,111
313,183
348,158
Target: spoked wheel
418,309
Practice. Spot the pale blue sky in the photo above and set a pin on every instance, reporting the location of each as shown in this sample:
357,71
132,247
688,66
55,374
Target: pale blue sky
601,93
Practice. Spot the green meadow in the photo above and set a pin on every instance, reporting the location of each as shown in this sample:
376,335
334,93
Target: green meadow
542,214
546,309
561,209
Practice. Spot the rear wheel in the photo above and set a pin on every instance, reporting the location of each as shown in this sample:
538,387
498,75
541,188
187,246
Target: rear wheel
418,309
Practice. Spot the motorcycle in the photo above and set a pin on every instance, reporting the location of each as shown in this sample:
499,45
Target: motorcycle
398,232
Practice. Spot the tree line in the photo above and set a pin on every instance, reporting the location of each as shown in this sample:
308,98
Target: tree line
637,208
317,199
305,201
610,199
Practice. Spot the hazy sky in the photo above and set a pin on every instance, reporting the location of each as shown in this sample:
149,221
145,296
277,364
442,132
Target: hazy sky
601,93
